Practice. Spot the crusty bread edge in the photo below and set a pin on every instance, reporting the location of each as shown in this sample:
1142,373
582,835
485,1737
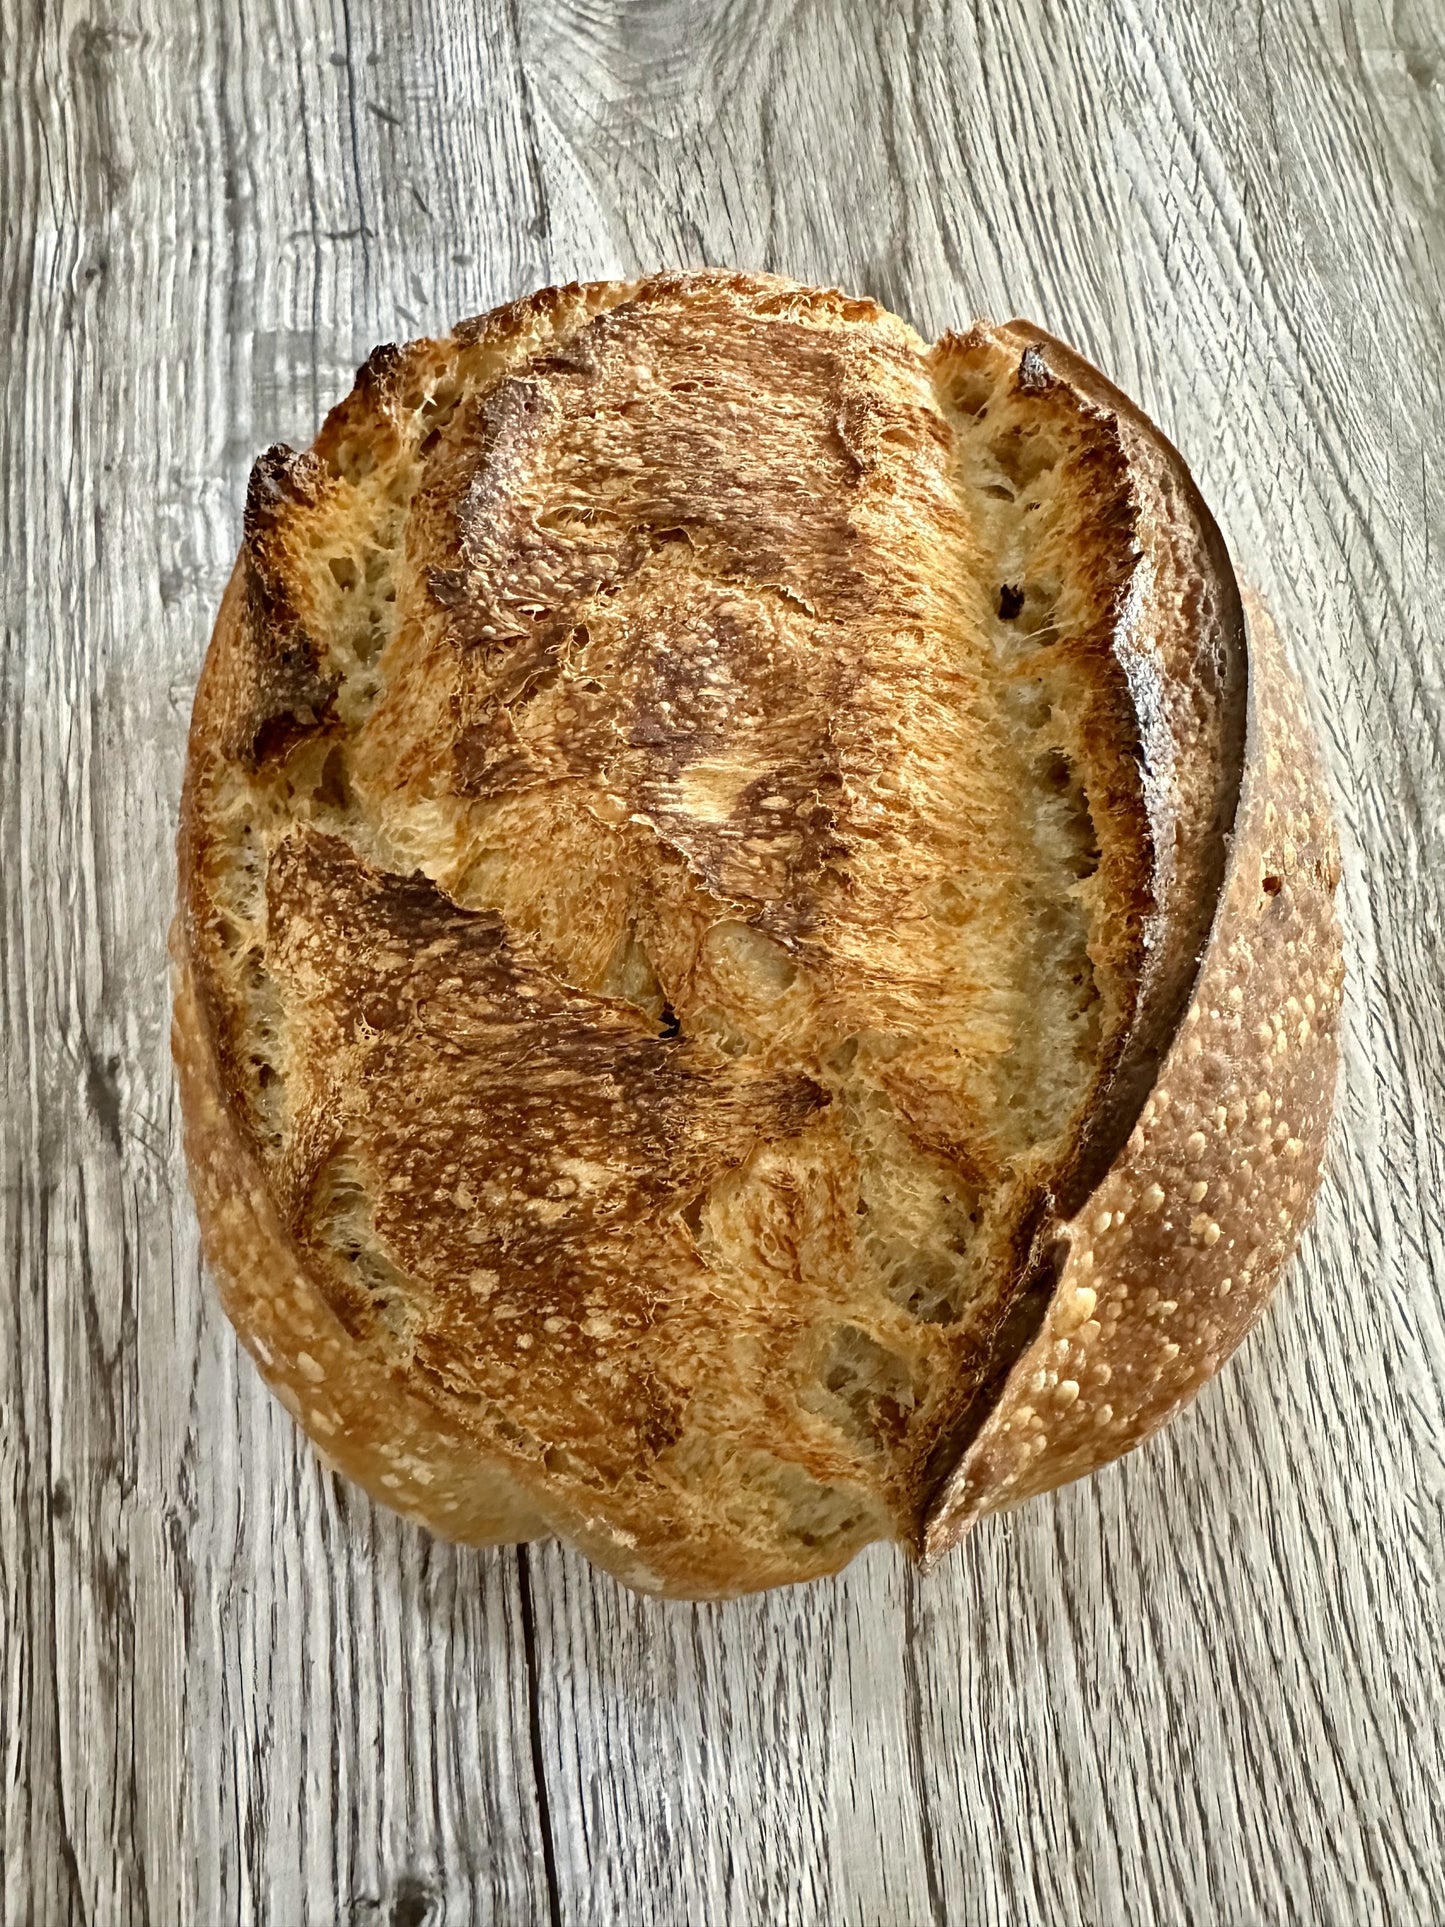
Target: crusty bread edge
407,1463
1177,1251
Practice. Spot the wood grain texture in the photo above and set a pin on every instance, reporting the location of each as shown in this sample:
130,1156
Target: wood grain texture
1205,1686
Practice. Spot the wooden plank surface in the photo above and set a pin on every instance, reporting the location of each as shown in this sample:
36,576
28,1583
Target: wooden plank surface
1206,1686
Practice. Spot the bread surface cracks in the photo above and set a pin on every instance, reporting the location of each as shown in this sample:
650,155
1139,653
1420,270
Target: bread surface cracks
665,954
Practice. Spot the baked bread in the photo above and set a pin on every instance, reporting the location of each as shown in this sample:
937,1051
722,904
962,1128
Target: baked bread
756,965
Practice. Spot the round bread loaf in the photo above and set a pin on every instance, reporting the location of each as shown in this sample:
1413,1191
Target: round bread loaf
756,965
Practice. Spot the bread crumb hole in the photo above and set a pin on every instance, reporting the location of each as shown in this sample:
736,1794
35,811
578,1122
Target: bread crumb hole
1038,612
631,978
439,406
969,390
840,1060
343,570
870,1388
928,1286
1058,772
354,463
333,791
1024,454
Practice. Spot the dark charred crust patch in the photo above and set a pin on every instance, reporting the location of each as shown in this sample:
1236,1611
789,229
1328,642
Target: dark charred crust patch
290,695
379,376
280,480
280,687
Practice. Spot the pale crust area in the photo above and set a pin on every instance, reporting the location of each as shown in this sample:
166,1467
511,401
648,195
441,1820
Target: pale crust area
701,821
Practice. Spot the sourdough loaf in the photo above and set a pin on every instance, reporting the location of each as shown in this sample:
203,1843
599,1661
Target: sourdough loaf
756,967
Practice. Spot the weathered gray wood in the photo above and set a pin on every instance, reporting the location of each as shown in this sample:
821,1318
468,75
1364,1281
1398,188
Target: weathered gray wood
1206,1686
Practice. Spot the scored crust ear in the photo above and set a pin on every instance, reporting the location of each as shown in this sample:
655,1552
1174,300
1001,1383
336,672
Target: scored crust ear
1174,1256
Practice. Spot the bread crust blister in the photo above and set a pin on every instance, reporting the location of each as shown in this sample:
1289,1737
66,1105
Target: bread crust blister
755,966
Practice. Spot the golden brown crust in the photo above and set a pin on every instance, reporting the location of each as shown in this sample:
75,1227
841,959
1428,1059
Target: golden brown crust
408,1463
563,1207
